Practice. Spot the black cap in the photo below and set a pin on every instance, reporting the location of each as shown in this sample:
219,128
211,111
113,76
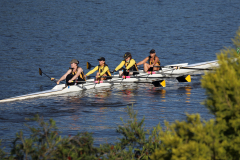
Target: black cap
101,59
152,51
126,55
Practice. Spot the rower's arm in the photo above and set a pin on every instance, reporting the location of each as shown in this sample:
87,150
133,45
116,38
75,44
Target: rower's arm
132,62
104,71
64,76
92,71
143,61
77,74
120,66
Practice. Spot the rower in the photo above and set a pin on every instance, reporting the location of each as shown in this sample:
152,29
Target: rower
103,70
74,73
152,60
130,65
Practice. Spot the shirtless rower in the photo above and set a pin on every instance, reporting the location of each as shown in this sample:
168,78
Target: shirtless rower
152,60
75,73
103,70
129,63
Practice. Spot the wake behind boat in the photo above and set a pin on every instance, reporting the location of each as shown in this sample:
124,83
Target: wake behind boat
174,70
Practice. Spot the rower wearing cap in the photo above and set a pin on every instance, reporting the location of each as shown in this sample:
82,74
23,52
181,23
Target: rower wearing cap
75,73
152,60
103,70
129,63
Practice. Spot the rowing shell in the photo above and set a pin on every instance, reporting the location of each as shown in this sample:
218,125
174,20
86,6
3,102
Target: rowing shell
61,89
57,90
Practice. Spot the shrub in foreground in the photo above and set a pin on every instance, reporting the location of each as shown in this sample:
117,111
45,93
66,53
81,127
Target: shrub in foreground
46,143
214,139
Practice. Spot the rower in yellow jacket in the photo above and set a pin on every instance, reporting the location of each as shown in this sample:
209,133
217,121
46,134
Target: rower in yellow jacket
129,63
103,70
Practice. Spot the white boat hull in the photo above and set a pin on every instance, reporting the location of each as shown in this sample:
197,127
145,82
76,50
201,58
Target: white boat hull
165,72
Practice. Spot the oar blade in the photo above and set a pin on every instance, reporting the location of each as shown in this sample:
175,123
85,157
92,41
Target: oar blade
40,71
160,83
89,65
186,78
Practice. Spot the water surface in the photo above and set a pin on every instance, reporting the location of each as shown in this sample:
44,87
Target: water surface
48,34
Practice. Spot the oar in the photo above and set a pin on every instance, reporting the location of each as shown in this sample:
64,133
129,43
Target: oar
52,79
178,67
157,83
41,72
193,68
89,65
184,78
159,72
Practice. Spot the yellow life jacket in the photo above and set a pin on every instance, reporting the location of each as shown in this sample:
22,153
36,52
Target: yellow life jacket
151,62
133,68
100,70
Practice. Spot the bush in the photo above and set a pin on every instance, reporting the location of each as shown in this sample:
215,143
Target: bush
215,139
46,143
2,153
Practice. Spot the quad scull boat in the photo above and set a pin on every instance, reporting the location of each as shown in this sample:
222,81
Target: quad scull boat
174,70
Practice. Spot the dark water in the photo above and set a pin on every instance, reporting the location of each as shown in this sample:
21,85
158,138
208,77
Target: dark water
48,34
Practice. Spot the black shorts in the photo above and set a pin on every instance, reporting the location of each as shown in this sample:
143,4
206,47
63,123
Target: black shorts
150,69
79,80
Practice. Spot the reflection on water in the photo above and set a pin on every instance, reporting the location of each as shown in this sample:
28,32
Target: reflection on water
101,95
126,93
163,94
188,93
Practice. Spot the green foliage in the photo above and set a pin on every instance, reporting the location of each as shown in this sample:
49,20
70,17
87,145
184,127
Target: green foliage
215,139
222,88
2,153
46,143
192,139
